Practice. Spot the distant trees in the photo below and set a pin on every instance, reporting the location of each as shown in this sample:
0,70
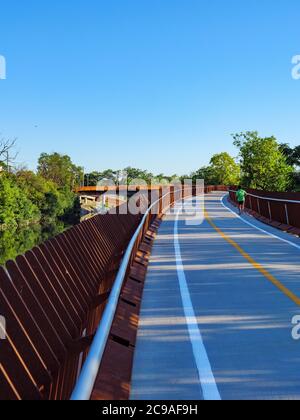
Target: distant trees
60,169
16,209
292,154
45,198
125,176
293,158
222,170
264,166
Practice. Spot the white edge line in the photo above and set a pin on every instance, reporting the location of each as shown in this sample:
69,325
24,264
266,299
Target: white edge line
207,379
256,227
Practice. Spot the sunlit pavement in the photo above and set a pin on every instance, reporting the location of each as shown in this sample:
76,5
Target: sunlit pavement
244,319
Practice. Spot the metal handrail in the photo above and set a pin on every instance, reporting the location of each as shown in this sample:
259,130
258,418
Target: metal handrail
88,375
269,198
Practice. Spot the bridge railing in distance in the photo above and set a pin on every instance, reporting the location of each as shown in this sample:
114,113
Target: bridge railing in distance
279,209
53,299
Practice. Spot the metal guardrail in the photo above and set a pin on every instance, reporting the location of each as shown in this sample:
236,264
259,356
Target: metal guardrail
270,198
281,210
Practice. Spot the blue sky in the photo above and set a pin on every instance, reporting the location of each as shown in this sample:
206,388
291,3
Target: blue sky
156,84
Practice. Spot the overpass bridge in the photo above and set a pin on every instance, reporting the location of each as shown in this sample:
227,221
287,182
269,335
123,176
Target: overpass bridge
150,307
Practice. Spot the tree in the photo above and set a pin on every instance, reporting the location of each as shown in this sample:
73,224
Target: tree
292,154
224,170
134,174
6,157
263,164
15,207
53,202
94,178
60,169
204,173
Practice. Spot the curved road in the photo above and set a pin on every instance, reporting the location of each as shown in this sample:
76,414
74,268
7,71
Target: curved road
216,319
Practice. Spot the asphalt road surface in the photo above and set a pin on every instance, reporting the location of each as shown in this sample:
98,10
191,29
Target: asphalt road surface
216,320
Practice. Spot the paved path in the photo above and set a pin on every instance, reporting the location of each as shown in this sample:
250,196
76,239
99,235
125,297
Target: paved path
217,310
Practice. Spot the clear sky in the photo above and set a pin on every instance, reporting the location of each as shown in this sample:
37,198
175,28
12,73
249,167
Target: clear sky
156,84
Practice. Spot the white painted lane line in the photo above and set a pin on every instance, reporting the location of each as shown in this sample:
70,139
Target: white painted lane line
256,227
207,380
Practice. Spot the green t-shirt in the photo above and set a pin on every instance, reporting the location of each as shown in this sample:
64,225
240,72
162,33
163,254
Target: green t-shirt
241,195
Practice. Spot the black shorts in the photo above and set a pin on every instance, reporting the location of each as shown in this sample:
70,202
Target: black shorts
241,202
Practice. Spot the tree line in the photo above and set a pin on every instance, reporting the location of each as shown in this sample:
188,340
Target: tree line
262,163
41,197
28,197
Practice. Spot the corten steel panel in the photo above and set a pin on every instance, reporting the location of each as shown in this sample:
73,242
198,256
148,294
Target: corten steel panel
68,286
278,212
93,257
68,270
294,214
49,303
53,290
88,237
264,209
24,317
84,259
84,273
38,310
16,373
103,237
77,247
20,342
45,296
103,246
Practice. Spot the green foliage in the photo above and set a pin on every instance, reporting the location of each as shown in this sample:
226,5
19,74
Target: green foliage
126,176
292,154
92,179
34,208
53,202
60,169
15,207
14,242
204,173
263,164
223,170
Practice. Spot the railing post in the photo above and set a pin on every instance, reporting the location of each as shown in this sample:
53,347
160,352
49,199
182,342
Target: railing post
258,206
172,195
270,213
287,214
160,200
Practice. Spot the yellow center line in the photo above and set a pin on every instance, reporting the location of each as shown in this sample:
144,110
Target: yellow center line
255,264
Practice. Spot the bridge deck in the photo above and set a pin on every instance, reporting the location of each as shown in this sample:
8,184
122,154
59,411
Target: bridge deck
217,310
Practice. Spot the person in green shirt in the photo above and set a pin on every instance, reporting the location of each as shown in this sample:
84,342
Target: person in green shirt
241,198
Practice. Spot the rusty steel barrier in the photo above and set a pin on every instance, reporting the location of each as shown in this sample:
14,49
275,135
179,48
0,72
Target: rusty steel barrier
281,208
53,299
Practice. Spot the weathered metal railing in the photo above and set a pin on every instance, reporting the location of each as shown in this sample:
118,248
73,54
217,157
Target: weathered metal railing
281,208
52,299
